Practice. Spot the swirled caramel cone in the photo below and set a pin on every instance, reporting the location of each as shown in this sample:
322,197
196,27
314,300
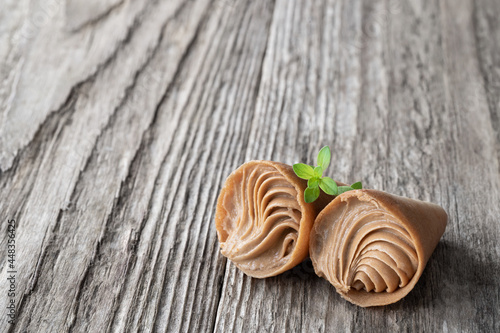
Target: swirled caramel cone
373,246
262,220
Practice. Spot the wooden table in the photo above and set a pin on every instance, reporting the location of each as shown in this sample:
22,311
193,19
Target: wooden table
120,121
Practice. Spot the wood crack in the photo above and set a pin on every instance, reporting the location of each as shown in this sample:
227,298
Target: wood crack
489,91
99,18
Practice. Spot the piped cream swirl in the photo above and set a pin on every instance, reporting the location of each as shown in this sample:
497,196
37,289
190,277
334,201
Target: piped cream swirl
373,250
258,218
373,246
370,249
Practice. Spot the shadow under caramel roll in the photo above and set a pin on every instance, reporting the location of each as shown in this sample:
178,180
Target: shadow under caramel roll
373,246
262,220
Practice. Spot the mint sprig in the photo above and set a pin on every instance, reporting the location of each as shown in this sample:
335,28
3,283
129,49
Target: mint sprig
315,179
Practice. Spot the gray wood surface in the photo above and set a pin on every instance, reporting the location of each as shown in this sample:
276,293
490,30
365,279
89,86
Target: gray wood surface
119,121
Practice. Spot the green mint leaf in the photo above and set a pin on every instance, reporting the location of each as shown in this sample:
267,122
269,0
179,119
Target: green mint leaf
343,189
303,171
357,186
313,182
324,156
311,194
318,171
328,185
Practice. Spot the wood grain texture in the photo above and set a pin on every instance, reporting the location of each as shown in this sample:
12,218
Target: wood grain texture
120,120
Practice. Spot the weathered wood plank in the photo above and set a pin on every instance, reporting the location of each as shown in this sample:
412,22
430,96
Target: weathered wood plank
119,121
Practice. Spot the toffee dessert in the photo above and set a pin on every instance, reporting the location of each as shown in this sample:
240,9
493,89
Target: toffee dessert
373,246
262,221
